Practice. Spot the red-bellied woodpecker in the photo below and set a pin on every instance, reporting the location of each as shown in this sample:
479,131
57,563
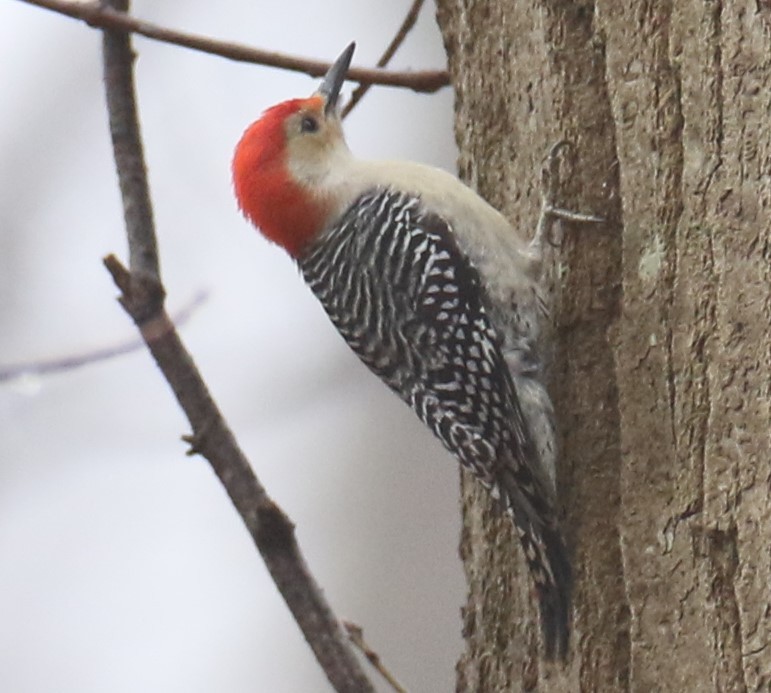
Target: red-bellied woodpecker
435,292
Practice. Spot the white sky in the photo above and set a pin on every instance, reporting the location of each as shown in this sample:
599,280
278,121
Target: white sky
123,567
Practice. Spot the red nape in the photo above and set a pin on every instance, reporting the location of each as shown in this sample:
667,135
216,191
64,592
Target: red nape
285,212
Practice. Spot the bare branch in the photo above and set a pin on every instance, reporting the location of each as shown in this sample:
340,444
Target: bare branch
86,358
109,18
409,21
130,165
142,297
356,635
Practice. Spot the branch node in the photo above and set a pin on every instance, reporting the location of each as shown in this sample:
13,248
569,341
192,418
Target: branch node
193,440
141,295
120,275
200,439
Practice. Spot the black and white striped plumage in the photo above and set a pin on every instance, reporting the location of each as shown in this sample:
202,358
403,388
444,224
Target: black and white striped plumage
409,302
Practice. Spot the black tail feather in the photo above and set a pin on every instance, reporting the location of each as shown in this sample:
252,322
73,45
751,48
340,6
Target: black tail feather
549,565
554,583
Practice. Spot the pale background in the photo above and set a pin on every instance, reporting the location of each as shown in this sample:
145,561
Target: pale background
123,566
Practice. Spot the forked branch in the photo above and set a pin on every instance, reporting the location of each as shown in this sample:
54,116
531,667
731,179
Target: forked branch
142,295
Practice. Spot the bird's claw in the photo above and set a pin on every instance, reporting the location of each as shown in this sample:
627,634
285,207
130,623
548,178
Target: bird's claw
550,181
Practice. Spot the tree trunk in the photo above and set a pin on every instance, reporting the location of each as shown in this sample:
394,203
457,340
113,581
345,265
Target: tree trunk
662,337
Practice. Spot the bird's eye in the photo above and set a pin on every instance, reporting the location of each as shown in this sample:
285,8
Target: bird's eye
309,124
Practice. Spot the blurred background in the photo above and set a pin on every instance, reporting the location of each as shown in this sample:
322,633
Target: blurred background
123,566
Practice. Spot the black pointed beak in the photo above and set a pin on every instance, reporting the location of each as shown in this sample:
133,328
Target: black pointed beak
333,80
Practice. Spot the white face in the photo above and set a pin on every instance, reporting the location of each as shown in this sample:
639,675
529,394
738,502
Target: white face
314,141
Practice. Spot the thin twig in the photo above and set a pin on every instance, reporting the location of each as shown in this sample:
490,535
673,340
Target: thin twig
356,636
86,358
409,21
108,18
269,527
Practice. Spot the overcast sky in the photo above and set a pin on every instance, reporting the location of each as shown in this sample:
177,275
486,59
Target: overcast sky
123,566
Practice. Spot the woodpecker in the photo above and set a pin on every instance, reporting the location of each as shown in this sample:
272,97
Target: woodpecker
436,293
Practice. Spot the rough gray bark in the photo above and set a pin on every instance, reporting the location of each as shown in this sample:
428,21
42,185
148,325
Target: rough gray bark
662,333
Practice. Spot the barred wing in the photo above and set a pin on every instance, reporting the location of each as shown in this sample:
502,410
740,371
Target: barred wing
410,304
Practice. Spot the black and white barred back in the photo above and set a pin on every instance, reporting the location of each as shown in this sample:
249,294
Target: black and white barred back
410,304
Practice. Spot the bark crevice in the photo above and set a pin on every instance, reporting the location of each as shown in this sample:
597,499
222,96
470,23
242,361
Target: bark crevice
663,332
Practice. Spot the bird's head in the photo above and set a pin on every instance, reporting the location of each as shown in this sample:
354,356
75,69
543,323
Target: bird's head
284,162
